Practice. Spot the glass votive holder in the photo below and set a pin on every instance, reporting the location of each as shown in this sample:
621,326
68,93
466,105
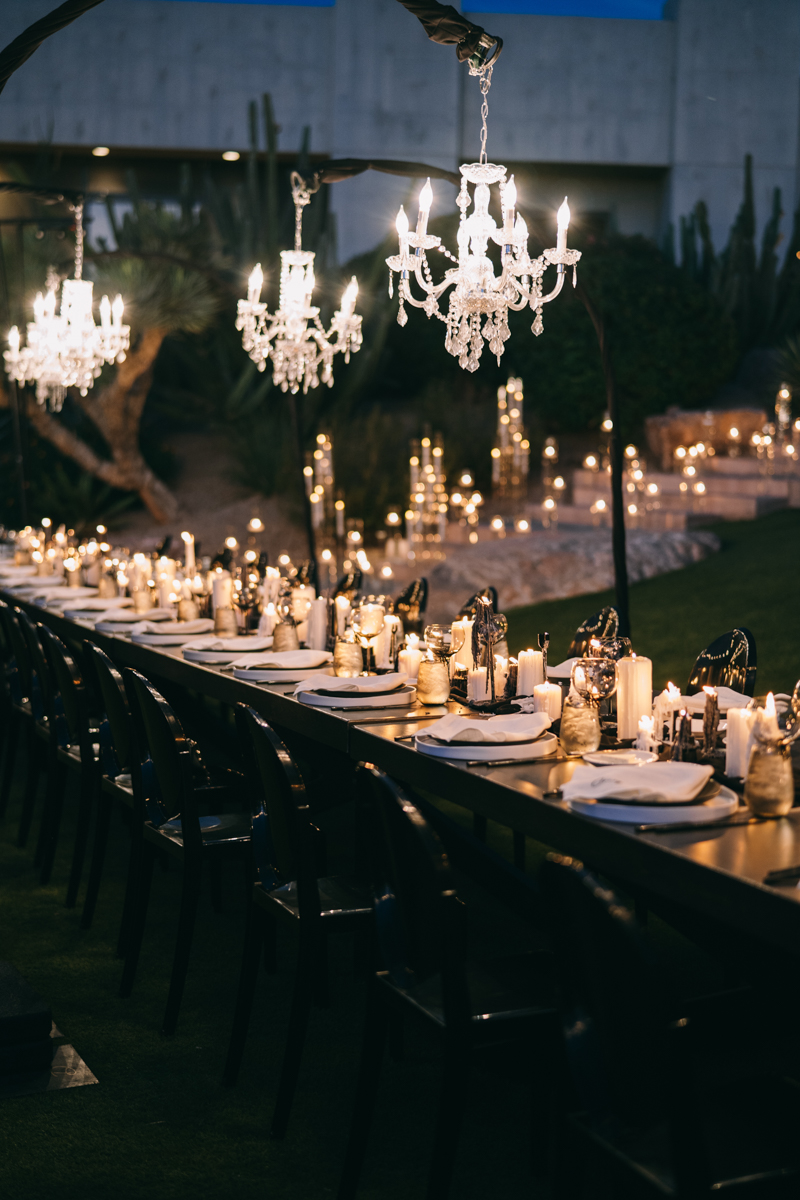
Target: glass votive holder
187,610
580,726
433,681
348,660
284,635
769,784
225,623
142,601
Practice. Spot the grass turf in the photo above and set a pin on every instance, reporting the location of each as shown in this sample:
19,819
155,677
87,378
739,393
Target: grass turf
753,581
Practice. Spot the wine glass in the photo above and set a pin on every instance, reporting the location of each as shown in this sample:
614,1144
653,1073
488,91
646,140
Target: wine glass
611,647
594,678
443,641
366,621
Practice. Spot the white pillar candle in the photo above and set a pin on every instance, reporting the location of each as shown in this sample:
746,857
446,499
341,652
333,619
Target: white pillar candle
665,706
267,621
301,601
408,660
221,592
188,541
342,613
738,741
530,671
547,699
317,636
464,654
645,739
500,675
476,685
634,694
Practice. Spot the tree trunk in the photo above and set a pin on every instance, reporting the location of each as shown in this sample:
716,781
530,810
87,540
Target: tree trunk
117,413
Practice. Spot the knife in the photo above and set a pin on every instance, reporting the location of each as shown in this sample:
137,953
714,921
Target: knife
695,826
784,875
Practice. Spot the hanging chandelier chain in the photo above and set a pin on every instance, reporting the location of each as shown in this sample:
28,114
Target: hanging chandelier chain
486,83
301,195
79,240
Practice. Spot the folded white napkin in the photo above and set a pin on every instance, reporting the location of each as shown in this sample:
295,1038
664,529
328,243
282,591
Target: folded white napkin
515,728
726,698
238,645
286,659
13,571
59,594
389,682
650,782
128,617
170,628
561,670
95,604
47,583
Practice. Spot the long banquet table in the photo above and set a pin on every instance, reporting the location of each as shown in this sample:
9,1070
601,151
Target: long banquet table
715,874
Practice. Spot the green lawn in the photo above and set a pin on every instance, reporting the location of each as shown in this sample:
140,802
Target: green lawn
753,581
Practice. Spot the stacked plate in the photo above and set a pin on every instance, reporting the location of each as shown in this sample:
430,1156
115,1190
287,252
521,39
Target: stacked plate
363,691
216,651
664,793
169,633
122,621
284,666
520,736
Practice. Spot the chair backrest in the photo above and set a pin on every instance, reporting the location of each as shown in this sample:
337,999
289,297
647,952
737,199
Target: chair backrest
21,654
41,674
730,661
284,837
69,700
602,624
615,1002
158,739
468,609
420,922
110,689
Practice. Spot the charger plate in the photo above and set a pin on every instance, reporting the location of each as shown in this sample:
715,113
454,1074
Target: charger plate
164,639
628,758
239,646
715,809
539,747
399,698
281,675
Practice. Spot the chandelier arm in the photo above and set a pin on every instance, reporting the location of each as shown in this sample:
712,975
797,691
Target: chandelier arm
556,290
405,292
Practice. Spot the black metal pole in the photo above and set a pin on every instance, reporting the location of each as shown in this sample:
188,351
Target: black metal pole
16,431
616,455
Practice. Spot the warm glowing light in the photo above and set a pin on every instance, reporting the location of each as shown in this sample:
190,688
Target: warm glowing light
549,503
393,518
401,223
326,556
255,524
733,432
46,522
769,707
101,151
284,560
231,543
425,199
101,529
231,155
590,461
523,526
510,196
563,215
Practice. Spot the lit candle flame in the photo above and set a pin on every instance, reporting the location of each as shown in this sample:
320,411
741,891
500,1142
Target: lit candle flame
769,707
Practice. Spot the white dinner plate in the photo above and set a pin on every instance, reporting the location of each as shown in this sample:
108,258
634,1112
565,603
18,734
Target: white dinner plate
220,657
160,639
400,698
628,758
283,675
488,752
715,809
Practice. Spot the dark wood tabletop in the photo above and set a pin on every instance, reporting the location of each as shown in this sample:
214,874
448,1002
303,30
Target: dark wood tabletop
717,873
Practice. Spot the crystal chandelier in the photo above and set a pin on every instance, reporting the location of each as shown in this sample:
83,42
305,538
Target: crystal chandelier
67,349
294,338
477,292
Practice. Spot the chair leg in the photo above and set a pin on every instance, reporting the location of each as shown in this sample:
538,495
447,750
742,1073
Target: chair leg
452,1103
183,945
14,731
479,825
135,861
372,1050
215,883
51,822
31,788
85,805
101,829
519,850
296,1036
138,914
248,978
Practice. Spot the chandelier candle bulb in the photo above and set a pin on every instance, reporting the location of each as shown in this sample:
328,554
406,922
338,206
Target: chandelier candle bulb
530,671
562,220
738,741
425,202
547,699
634,694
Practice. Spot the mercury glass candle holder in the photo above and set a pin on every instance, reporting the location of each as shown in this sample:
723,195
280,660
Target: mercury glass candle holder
769,785
225,624
348,658
580,725
433,681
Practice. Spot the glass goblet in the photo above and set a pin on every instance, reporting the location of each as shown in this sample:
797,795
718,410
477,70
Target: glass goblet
614,648
443,641
595,679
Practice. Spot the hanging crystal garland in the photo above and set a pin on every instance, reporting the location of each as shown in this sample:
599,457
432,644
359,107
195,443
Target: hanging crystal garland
294,337
477,292
67,350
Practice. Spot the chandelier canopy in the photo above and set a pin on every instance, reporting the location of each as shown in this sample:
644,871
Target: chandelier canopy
478,294
294,338
67,349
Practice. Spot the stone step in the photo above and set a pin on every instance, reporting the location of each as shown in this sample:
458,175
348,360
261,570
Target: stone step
726,507
573,514
716,485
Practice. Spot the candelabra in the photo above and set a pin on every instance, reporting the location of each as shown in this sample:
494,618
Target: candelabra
68,349
511,453
478,294
294,337
426,518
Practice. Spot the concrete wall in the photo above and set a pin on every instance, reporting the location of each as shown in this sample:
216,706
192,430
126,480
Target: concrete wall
691,96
